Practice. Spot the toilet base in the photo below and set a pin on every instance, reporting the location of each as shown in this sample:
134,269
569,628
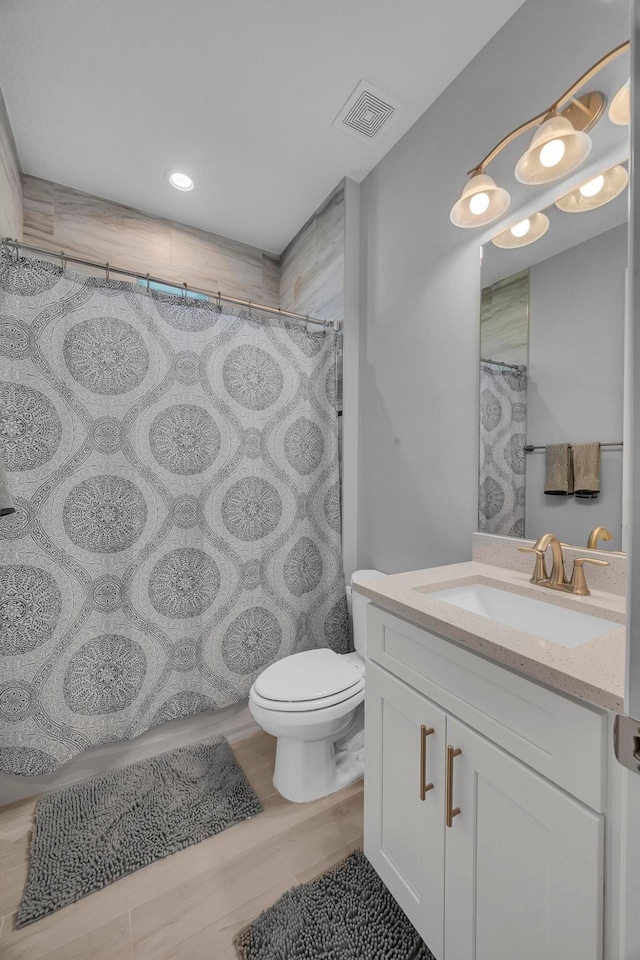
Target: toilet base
307,770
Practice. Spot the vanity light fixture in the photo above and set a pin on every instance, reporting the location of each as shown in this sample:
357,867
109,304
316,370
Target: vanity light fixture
181,181
560,144
620,109
557,148
523,233
595,192
482,202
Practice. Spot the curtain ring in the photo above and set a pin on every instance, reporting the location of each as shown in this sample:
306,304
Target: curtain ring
106,270
219,302
306,326
148,283
185,291
62,260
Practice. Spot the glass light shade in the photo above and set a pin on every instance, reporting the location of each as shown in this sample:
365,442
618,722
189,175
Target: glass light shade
586,197
521,236
556,149
620,109
482,202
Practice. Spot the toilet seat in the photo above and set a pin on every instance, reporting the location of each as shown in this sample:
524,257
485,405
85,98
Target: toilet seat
308,681
313,675
308,706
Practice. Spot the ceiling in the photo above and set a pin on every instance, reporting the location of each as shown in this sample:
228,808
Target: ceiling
240,94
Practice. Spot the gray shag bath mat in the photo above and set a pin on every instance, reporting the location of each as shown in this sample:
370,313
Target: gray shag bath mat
346,914
89,834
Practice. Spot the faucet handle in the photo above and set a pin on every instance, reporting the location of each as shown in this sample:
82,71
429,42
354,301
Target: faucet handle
578,579
540,569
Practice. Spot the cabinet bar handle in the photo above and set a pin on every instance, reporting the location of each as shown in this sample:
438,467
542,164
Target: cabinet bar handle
424,787
451,812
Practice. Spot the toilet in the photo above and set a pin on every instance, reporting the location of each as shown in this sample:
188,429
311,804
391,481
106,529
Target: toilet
313,702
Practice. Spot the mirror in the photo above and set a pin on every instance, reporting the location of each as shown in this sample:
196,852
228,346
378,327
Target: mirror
551,373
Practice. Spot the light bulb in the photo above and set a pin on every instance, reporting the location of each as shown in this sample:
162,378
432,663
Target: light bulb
593,187
478,203
181,181
521,229
552,153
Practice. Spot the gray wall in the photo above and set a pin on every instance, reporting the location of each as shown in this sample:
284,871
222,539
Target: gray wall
575,385
418,465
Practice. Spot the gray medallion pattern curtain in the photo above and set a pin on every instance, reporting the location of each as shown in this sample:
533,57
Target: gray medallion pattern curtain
503,417
174,468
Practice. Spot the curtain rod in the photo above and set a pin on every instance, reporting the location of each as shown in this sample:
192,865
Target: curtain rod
499,363
615,443
109,268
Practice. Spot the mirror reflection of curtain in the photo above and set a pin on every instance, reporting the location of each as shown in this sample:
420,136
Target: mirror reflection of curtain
503,418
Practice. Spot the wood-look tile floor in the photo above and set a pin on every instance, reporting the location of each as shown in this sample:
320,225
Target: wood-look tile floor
190,905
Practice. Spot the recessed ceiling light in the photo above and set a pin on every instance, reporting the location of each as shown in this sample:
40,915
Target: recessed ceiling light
181,181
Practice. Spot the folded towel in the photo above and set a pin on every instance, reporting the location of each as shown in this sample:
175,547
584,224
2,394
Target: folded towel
6,503
586,470
558,481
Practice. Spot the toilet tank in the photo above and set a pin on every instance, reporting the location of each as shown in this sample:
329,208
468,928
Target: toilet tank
359,609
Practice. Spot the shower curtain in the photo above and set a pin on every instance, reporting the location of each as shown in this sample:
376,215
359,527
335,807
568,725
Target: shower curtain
174,468
503,418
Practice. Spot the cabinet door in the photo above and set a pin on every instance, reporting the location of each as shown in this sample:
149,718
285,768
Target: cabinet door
404,824
523,863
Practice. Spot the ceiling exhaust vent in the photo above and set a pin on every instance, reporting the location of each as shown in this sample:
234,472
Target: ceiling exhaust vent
367,112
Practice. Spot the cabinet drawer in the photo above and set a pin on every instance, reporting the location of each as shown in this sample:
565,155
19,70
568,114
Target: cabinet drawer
563,740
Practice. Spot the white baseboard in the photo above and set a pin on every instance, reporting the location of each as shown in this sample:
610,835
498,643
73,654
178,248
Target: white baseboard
233,722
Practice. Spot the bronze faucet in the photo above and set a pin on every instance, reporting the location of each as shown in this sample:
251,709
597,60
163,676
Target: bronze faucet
598,533
558,578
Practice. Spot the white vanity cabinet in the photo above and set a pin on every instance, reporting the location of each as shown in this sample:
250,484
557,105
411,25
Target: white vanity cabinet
518,873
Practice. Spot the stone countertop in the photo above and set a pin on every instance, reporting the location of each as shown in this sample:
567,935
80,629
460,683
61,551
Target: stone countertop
594,671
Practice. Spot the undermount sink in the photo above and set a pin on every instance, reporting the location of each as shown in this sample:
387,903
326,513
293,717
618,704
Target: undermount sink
567,628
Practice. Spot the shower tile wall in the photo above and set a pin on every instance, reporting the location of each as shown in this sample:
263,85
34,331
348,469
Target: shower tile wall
504,320
312,266
60,218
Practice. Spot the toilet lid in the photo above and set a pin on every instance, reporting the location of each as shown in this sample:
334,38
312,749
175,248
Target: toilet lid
307,676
